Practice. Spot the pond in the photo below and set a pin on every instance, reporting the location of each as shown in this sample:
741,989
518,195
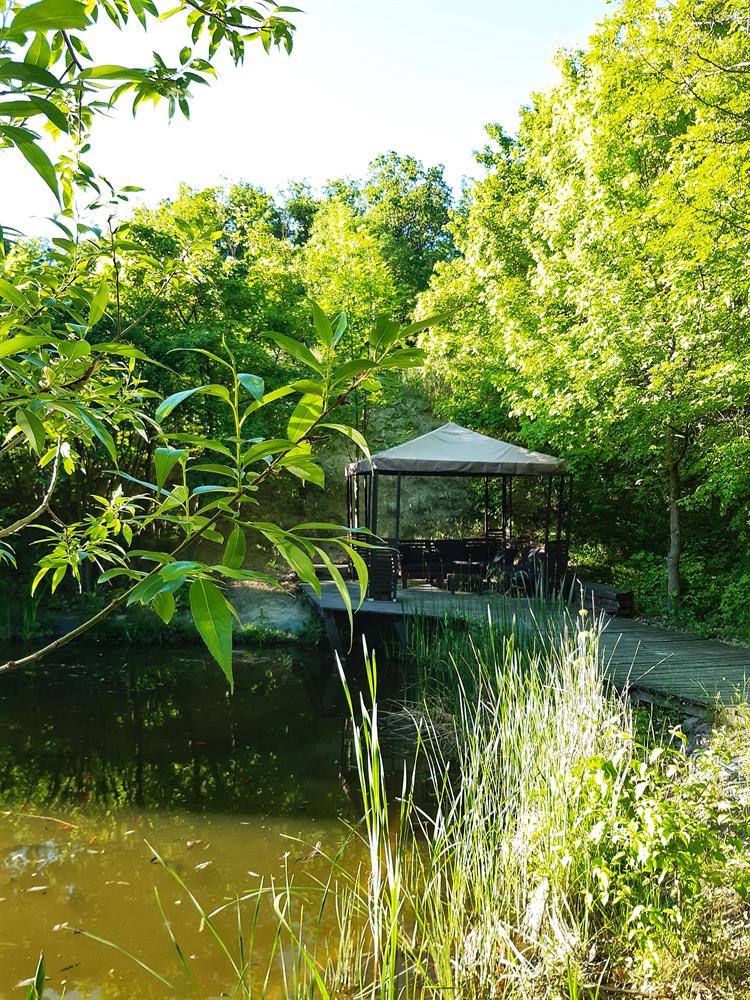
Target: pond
110,755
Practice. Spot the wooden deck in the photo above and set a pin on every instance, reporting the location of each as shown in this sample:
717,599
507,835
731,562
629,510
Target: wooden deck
645,656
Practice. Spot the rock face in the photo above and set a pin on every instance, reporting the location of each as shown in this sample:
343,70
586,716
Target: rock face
282,613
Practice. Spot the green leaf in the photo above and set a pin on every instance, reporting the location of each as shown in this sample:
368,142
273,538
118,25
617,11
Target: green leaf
296,350
234,553
304,469
164,605
351,369
409,357
201,490
352,433
167,405
265,449
201,350
99,430
51,111
360,568
50,15
253,383
213,619
32,428
111,72
41,163
424,324
322,326
305,414
98,304
341,324
300,562
36,988
19,109
126,351
340,586
26,72
39,577
12,294
216,469
165,460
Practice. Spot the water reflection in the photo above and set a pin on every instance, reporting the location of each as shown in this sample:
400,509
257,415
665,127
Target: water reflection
110,750
128,727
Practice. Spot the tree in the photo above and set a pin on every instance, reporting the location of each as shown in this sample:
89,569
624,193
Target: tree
605,248
407,208
72,382
344,269
298,211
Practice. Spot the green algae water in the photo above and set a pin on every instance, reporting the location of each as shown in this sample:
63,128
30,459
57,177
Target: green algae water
110,755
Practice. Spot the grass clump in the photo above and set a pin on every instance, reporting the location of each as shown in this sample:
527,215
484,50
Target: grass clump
559,854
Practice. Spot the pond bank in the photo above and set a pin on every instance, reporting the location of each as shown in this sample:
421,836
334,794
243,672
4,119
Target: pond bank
266,615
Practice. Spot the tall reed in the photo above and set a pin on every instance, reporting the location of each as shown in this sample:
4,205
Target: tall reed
549,845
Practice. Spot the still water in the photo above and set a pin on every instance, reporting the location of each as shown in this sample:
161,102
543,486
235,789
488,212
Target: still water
110,755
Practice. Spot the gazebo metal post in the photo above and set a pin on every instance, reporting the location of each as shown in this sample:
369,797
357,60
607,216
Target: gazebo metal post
398,509
510,507
374,504
560,493
504,522
486,508
547,508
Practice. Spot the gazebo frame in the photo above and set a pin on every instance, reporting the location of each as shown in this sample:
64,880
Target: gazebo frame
362,488
467,455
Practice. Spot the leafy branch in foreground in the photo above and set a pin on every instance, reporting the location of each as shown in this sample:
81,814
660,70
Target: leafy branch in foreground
206,489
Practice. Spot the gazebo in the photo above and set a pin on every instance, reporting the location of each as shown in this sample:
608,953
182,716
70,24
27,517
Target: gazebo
451,450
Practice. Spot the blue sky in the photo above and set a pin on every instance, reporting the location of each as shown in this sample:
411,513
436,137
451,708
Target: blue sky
418,76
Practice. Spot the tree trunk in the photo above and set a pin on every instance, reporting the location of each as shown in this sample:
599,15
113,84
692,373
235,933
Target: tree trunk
675,532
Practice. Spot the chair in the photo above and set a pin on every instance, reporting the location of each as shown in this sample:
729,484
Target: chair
382,568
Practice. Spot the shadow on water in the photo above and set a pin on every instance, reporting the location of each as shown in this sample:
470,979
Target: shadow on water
105,749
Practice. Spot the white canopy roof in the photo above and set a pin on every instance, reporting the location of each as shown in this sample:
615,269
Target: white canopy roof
453,450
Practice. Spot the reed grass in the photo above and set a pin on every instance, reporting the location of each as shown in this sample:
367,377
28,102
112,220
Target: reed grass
553,857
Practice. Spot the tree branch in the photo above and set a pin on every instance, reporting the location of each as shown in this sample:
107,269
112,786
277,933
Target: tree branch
43,507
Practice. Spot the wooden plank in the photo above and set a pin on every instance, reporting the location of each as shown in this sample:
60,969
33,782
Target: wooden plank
655,658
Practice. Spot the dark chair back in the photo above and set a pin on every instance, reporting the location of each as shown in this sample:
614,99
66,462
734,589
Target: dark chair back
383,569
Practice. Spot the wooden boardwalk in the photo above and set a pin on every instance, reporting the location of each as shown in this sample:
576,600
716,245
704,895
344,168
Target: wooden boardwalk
641,655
